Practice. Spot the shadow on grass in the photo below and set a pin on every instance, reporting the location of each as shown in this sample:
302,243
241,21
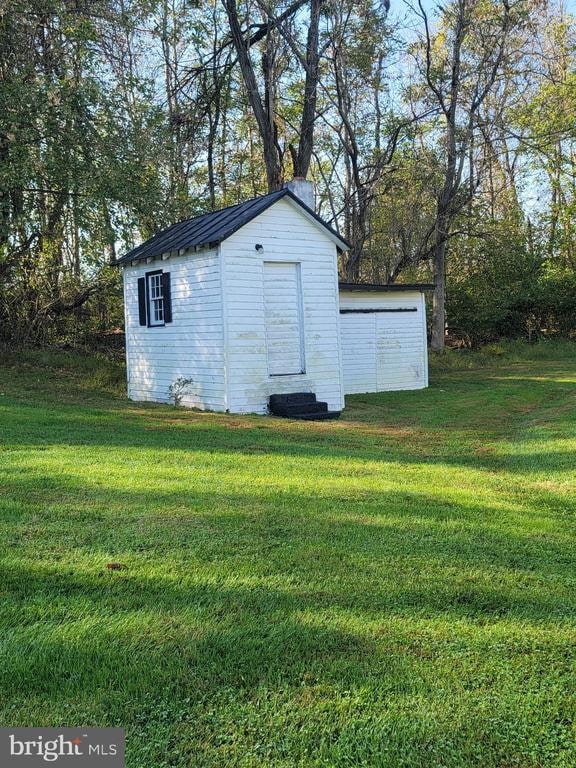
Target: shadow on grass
407,550
131,632
312,599
457,440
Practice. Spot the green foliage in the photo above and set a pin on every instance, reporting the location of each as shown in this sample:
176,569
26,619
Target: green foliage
118,119
499,288
403,215
394,589
555,302
491,284
51,161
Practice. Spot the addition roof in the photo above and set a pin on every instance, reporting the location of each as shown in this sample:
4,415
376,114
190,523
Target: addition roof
384,288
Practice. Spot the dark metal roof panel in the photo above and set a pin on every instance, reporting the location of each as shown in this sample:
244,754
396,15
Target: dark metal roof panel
212,228
392,287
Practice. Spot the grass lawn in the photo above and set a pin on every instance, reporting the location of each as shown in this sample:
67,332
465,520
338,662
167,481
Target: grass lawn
395,589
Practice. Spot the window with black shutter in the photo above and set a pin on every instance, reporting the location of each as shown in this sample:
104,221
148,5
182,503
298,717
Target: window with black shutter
154,299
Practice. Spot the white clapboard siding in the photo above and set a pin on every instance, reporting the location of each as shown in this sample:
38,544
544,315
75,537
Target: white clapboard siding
383,351
359,353
283,316
286,236
190,349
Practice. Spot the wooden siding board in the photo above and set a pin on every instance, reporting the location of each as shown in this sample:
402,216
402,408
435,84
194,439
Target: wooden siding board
249,383
383,351
191,346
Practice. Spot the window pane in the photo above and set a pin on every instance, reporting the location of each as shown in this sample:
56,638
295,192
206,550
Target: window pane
158,310
155,299
156,287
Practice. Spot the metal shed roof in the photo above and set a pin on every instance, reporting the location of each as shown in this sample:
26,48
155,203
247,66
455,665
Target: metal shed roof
383,287
212,228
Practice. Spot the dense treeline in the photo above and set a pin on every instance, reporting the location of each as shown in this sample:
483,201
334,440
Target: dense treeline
442,142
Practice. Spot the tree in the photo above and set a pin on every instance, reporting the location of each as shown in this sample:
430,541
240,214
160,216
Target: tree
272,28
461,65
452,127
543,127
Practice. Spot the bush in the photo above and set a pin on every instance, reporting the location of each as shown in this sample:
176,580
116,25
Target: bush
501,289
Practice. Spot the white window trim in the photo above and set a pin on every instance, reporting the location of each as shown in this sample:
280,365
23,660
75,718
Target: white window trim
150,299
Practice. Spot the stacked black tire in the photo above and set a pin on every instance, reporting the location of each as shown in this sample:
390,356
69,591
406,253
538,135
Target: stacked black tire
301,405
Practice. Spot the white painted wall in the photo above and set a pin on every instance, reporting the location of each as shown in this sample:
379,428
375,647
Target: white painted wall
191,346
220,304
287,235
383,351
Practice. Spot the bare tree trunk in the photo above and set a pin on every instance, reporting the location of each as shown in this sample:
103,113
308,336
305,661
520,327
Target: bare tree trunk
358,234
222,161
264,119
5,207
213,121
76,266
439,298
110,235
352,266
302,158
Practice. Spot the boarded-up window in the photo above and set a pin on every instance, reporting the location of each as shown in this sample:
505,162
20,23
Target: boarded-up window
283,310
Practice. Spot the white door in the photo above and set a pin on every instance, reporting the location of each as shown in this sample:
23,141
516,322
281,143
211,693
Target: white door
283,313
382,350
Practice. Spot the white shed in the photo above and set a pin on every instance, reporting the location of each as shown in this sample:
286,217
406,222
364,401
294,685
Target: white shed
226,309
384,341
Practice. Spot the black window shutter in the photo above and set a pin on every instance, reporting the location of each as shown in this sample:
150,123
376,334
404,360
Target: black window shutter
167,296
142,300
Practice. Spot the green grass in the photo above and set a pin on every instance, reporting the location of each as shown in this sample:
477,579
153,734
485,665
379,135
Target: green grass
396,589
503,354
